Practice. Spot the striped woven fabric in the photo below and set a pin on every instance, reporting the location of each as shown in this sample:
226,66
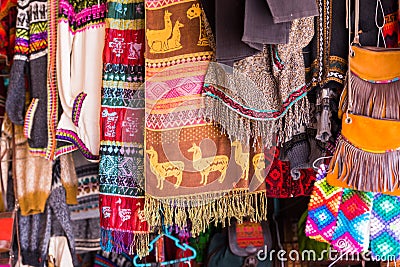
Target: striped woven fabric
122,115
193,170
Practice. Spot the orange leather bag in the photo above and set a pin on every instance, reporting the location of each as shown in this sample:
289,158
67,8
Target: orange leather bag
367,156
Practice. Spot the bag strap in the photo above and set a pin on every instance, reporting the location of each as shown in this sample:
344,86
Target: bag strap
351,52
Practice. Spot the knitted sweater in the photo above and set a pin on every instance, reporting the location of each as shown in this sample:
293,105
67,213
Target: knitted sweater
31,59
80,42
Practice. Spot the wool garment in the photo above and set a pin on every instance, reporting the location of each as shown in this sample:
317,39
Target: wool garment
229,23
259,28
87,206
34,173
80,42
86,235
85,214
30,67
36,230
30,229
289,10
68,178
59,253
58,220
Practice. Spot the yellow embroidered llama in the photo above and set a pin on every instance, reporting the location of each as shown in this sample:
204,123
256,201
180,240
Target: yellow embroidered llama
162,170
259,166
175,42
207,165
242,159
158,39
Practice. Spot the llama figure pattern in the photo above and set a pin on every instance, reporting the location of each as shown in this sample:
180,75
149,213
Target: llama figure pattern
167,39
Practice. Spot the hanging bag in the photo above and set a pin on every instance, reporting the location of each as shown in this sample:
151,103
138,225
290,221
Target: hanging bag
244,244
367,155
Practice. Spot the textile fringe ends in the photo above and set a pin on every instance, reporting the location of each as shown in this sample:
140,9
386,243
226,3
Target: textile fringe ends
125,242
201,210
238,126
366,171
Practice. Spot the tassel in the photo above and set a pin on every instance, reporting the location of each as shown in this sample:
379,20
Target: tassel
106,240
202,209
238,126
366,171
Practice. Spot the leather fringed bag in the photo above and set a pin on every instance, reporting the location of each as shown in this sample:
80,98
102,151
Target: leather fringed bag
367,155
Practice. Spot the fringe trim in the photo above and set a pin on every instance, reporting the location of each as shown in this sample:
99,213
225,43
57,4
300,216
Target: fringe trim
125,242
203,209
376,100
238,127
366,171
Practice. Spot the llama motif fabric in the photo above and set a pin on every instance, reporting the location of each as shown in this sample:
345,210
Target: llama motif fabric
193,170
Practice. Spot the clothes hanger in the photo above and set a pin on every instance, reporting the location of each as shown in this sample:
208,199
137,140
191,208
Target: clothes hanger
183,247
314,165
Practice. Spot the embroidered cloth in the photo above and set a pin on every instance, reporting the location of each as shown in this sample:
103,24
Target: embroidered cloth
193,171
122,116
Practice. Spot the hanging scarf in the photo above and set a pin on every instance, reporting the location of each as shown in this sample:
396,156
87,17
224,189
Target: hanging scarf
193,171
252,99
121,163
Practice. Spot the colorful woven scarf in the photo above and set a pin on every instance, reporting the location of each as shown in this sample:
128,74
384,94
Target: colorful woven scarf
121,165
193,171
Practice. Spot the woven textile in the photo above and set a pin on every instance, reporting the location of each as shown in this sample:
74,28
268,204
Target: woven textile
362,221
122,115
253,98
280,183
193,171
80,41
352,227
323,209
385,230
